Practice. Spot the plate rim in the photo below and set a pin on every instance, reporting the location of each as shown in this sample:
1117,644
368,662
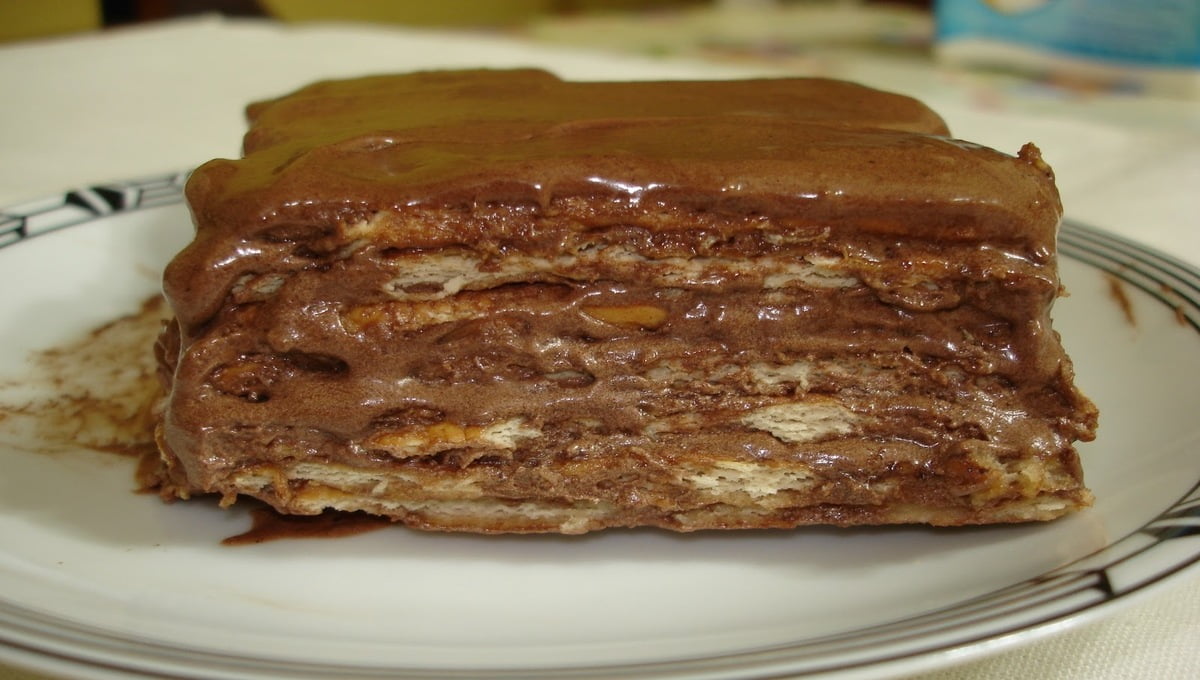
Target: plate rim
1077,591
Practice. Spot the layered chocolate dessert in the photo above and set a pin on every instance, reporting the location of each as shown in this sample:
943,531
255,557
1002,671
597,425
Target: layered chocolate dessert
497,301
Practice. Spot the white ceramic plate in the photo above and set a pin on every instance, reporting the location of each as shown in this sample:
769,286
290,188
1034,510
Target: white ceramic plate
96,581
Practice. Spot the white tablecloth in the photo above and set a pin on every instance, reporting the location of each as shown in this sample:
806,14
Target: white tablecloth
140,101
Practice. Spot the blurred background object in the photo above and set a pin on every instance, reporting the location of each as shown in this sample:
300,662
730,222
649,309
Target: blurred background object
444,13
798,36
1070,48
452,12
21,19
1149,45
981,49
33,18
119,12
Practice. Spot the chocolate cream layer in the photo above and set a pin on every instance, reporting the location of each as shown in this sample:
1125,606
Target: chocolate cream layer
617,294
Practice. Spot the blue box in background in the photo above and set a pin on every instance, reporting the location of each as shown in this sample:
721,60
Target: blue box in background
1150,45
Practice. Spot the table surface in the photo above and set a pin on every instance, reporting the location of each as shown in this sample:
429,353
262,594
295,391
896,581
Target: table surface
89,108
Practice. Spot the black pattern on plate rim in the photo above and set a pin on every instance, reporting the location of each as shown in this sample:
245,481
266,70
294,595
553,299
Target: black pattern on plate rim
78,206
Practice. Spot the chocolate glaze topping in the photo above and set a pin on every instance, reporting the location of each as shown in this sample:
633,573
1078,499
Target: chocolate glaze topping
817,152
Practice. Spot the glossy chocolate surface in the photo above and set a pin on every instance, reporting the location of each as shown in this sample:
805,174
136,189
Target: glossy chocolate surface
816,152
